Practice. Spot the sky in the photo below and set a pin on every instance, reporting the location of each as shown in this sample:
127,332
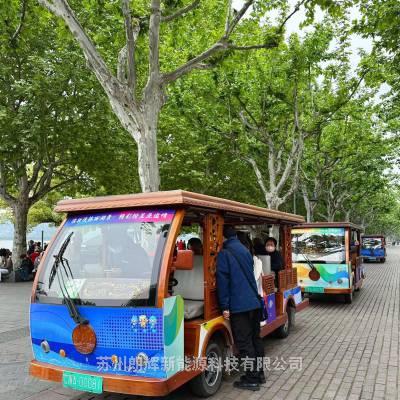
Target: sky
293,25
357,42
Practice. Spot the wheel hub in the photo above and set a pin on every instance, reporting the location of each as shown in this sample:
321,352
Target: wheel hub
212,370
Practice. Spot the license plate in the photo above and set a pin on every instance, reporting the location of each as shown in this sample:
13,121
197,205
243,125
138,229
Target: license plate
314,289
82,382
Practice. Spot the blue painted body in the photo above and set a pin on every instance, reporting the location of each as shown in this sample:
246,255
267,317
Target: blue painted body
122,332
373,253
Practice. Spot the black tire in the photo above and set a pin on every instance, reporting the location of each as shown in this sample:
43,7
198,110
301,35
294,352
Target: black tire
348,298
383,260
284,330
208,382
227,353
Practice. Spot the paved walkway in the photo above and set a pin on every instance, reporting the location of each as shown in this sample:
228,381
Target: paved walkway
348,351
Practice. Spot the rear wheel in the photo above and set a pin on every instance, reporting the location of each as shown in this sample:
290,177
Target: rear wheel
383,260
284,330
209,381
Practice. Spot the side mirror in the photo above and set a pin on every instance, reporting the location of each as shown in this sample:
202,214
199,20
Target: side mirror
184,260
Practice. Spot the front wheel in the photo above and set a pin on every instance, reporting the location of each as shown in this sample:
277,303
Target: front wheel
383,260
209,381
348,298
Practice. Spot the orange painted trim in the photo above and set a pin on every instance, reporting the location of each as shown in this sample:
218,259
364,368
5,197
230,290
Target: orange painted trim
347,234
222,328
299,307
118,383
42,261
269,328
162,290
304,304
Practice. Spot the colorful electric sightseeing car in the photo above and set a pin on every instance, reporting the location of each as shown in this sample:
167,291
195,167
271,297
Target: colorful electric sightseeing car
373,248
327,257
117,308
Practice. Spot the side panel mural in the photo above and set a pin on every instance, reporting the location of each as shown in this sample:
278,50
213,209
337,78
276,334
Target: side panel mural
269,301
332,276
173,333
295,293
130,341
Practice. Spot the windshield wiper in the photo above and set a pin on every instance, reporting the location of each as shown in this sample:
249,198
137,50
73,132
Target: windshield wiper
58,257
56,271
308,261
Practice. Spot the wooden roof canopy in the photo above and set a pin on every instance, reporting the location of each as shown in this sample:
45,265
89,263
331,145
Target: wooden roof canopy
178,199
329,225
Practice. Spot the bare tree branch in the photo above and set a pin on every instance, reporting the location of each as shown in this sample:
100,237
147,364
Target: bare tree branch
231,25
48,188
35,173
154,42
191,64
279,161
228,15
62,9
221,45
205,66
49,5
121,65
3,187
294,157
21,22
182,11
296,9
43,183
131,34
246,122
252,47
258,173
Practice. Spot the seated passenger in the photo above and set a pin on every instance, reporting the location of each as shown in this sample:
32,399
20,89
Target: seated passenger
196,246
276,257
124,253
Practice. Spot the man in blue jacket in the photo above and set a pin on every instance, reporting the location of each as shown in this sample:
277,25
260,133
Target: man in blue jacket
239,302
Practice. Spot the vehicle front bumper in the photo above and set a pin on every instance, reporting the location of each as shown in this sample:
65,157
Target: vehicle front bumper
329,291
118,383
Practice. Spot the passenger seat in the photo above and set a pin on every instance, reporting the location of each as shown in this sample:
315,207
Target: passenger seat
191,288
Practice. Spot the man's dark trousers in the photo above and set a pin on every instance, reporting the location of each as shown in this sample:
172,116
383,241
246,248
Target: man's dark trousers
246,334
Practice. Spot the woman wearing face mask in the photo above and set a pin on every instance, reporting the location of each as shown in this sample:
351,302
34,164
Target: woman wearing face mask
276,256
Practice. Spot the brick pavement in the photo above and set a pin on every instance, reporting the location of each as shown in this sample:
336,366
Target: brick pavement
348,351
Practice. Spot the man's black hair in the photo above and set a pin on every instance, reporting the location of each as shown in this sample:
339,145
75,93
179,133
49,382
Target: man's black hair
229,231
194,240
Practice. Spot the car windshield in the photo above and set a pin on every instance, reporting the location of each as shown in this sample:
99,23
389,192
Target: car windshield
319,245
371,243
106,259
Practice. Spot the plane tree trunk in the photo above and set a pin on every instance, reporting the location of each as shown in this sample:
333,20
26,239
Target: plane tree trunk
137,113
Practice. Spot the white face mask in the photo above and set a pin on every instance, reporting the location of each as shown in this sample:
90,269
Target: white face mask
270,249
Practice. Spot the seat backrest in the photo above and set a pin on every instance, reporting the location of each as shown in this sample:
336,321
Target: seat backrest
191,282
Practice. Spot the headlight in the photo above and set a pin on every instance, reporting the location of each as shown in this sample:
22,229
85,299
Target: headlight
45,346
